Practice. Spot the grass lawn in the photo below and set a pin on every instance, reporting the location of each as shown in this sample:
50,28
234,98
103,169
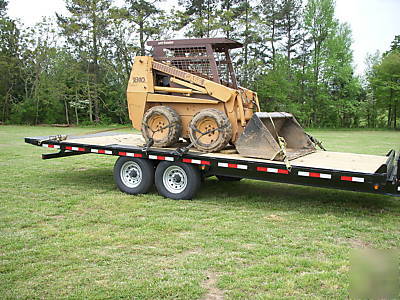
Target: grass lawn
67,232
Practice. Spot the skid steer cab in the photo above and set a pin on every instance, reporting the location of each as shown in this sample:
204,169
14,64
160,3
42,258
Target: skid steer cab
188,89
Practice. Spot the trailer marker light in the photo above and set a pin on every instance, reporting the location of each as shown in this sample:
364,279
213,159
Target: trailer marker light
157,157
353,179
232,166
75,148
51,146
196,161
376,187
272,170
398,188
315,175
101,151
130,154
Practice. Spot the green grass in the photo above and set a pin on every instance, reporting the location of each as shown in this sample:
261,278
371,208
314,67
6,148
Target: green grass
67,232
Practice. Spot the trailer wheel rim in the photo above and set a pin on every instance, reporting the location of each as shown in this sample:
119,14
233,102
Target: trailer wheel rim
175,179
131,174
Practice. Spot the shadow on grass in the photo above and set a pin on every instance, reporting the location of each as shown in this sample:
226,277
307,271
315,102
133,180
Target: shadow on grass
254,194
300,198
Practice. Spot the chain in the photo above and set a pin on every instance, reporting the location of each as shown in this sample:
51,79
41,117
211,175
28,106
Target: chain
282,145
184,150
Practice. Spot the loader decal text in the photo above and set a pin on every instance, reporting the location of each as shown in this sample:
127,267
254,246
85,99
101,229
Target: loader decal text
138,80
178,73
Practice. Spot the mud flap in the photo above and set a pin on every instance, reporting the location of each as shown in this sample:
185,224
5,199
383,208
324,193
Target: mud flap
260,138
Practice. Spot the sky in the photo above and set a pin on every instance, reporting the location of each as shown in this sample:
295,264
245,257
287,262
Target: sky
374,23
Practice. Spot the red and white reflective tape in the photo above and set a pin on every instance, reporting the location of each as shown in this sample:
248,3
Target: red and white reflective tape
130,154
158,157
233,166
101,151
51,146
353,179
272,170
315,175
75,148
196,161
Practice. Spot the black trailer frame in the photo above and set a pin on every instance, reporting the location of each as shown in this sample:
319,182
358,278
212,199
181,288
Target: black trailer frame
386,180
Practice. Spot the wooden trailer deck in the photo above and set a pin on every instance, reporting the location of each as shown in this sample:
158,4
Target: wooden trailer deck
351,162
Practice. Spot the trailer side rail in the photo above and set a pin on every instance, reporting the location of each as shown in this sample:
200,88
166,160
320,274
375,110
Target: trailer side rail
384,181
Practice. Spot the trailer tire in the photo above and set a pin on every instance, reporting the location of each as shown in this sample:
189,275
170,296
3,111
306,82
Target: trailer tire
162,124
133,175
207,120
227,178
177,180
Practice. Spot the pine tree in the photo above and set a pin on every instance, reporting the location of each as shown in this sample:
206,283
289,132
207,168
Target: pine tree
3,8
10,63
147,19
270,12
229,17
199,18
86,31
320,24
291,26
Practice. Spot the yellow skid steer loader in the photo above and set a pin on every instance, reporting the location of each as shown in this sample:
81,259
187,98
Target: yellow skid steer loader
188,89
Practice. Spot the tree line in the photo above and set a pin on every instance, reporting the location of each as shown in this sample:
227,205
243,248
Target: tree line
74,68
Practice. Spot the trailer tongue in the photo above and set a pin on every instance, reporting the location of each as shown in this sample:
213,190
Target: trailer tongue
177,175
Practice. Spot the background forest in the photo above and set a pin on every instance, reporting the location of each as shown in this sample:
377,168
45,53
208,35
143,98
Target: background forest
73,69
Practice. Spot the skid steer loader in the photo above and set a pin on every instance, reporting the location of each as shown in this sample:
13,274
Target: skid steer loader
188,89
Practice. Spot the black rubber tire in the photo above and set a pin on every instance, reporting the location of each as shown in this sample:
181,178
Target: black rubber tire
192,175
227,178
174,132
225,134
147,178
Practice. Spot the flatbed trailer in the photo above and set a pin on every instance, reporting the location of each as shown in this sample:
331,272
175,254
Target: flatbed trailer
178,174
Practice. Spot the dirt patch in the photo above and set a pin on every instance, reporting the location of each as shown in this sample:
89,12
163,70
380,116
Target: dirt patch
57,217
249,246
195,251
210,284
82,169
274,217
355,243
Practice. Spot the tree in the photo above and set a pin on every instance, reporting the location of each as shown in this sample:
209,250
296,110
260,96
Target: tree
395,45
10,63
3,8
87,30
387,85
228,17
291,26
146,18
270,13
383,84
198,17
320,24
370,104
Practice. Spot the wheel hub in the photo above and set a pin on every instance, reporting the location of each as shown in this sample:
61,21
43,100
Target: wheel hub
175,179
131,174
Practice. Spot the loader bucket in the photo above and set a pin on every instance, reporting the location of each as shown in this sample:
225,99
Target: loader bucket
260,137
